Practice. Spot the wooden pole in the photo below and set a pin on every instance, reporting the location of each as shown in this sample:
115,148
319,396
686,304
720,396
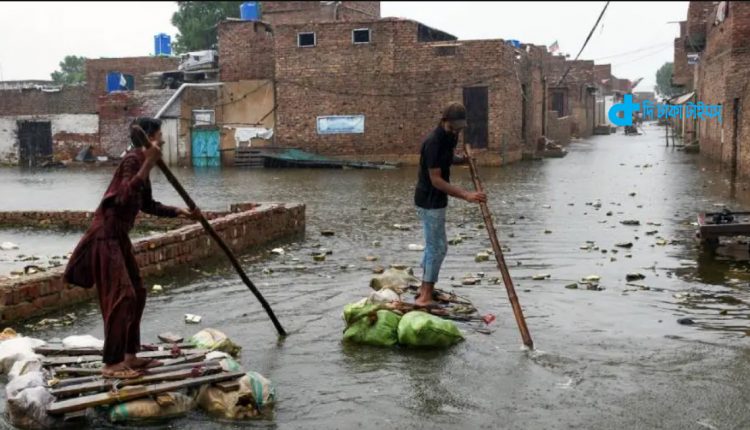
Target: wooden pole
666,131
211,232
517,311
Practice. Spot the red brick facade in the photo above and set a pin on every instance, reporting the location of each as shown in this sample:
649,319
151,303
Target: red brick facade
69,100
397,82
722,77
246,51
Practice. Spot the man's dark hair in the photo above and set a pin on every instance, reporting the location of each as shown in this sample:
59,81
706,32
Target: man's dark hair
150,125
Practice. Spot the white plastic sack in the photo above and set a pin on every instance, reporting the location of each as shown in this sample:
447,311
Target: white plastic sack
17,349
29,380
383,296
86,341
23,367
28,409
217,355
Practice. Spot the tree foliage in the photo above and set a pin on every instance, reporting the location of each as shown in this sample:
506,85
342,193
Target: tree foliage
664,81
72,71
196,22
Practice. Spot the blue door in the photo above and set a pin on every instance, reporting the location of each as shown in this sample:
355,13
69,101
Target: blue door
205,147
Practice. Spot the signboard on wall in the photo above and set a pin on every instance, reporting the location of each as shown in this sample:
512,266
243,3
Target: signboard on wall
341,124
203,117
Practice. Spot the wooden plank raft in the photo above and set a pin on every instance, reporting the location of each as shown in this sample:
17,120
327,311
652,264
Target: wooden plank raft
61,350
153,371
56,361
192,358
134,392
106,384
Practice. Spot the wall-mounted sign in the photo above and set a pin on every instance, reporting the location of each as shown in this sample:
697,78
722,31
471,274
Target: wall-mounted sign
693,58
203,117
341,124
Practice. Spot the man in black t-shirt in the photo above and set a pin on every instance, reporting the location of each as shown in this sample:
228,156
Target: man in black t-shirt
432,191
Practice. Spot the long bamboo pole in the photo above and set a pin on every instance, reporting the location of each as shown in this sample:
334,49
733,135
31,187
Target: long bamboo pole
211,232
517,311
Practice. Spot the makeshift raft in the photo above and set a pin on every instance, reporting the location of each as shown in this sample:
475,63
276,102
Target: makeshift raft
69,383
712,225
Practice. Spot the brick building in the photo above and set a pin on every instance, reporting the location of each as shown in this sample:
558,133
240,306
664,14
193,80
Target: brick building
717,36
39,125
573,94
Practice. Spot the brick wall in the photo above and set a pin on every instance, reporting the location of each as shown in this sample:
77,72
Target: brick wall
69,100
245,50
531,71
398,83
117,110
35,295
580,101
299,12
722,78
138,67
558,129
80,220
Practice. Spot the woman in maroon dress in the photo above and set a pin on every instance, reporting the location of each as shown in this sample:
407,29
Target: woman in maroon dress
104,256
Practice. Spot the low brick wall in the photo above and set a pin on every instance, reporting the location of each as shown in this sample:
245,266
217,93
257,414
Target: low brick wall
559,128
80,220
246,227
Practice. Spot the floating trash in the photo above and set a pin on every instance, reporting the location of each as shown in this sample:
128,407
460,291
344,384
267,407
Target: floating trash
157,288
8,246
278,251
192,319
481,256
630,222
634,277
415,247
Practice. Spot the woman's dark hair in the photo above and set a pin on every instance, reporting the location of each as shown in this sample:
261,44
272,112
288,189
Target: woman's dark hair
150,125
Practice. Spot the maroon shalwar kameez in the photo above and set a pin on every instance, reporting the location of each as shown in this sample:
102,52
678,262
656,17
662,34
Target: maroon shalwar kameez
104,257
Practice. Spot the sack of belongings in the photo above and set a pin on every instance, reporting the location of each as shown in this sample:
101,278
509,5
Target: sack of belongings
27,400
23,367
17,349
255,394
370,325
168,405
422,329
393,279
214,340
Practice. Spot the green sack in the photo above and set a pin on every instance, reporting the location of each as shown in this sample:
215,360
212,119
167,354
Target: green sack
422,329
367,325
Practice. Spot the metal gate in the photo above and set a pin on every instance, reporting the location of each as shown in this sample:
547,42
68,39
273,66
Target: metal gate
34,142
205,147
476,103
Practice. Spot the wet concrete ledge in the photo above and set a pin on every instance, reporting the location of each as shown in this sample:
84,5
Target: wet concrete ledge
244,227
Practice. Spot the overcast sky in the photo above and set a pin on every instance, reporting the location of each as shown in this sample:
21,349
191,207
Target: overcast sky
634,37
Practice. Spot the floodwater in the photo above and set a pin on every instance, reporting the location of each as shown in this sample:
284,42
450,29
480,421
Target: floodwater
615,358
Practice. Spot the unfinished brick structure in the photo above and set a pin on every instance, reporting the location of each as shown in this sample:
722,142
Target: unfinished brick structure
299,12
137,67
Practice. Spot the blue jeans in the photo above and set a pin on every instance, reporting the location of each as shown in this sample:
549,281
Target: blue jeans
436,242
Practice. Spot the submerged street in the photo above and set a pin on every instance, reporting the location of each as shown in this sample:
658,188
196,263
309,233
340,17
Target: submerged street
615,358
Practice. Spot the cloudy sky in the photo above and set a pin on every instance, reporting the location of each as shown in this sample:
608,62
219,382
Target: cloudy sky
635,37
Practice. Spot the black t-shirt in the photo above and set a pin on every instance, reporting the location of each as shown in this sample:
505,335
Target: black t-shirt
437,152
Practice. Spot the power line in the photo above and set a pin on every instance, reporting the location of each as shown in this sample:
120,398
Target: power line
640,58
635,51
584,43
